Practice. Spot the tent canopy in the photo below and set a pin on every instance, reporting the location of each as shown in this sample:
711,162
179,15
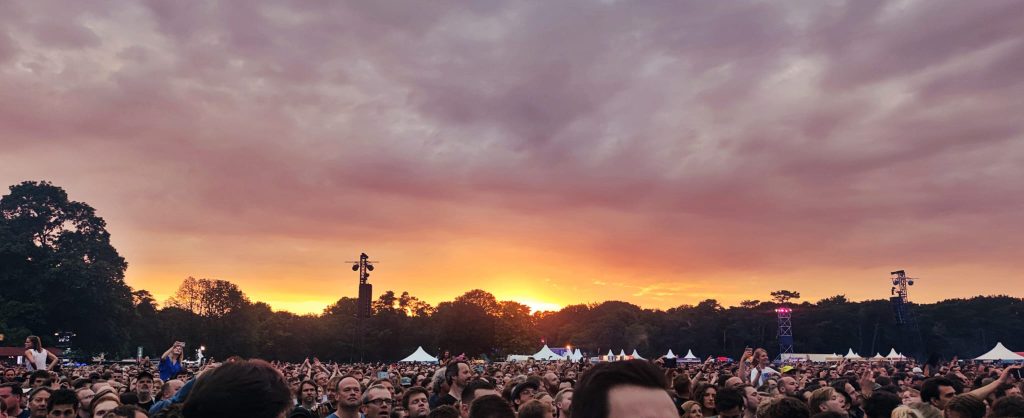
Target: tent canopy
852,355
545,353
420,356
636,355
670,354
690,358
1000,353
893,354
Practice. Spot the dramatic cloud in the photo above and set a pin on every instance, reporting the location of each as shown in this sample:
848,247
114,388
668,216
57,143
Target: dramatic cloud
556,152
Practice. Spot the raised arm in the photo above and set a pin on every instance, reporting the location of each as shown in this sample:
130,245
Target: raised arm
1004,377
744,369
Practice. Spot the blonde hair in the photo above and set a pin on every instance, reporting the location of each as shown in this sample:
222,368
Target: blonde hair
819,397
904,411
687,406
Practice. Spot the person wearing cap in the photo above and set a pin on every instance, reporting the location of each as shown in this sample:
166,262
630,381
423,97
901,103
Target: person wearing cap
523,393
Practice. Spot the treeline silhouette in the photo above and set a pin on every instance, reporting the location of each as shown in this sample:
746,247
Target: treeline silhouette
58,272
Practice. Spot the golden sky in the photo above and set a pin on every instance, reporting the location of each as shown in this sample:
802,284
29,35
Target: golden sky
551,153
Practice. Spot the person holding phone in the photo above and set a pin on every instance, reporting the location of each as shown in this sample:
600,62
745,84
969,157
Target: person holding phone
170,361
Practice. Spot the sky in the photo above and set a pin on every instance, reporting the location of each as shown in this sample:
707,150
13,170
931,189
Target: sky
552,153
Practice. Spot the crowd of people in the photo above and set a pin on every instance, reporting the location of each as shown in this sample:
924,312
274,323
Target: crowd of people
465,388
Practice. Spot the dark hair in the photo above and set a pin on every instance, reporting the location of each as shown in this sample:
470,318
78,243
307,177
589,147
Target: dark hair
699,390
129,398
472,387
247,388
518,389
1007,407
412,391
532,409
444,411
172,411
967,405
681,384
80,383
930,388
1001,389
143,374
124,411
39,374
298,390
727,399
786,407
15,388
490,406
590,398
880,404
452,371
829,414
62,397
32,393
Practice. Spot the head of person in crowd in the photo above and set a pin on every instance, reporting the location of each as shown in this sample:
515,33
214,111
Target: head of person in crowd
751,399
37,400
63,403
965,406
523,393
444,411
910,396
784,407
247,388
1007,407
144,386
729,403
826,399
457,375
104,401
682,386
881,404
705,393
937,391
563,402
377,402
622,389
39,378
691,409
551,382
491,406
350,394
535,409
788,386
11,397
126,411
307,394
415,400
474,389
169,388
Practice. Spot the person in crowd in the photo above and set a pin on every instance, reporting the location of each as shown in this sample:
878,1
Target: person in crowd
39,378
1007,407
37,400
474,389
104,401
444,411
11,395
246,388
457,375
729,403
784,407
910,396
965,406
622,389
563,402
144,389
751,400
881,404
63,403
377,402
491,406
523,393
306,397
126,411
761,371
170,361
551,382
415,401
705,393
826,399
691,409
350,395
36,355
535,409
936,392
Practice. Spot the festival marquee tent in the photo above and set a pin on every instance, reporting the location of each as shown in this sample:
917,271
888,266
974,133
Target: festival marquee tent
546,354
851,355
636,355
576,355
622,354
670,354
690,358
878,356
893,355
1000,353
419,356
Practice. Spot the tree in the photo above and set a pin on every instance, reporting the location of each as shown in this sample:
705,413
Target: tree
784,296
750,304
59,270
208,298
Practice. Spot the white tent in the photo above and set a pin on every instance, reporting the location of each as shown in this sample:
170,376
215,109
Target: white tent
576,355
670,354
811,357
878,356
546,354
1000,353
611,356
420,356
893,355
622,354
851,355
690,358
636,355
